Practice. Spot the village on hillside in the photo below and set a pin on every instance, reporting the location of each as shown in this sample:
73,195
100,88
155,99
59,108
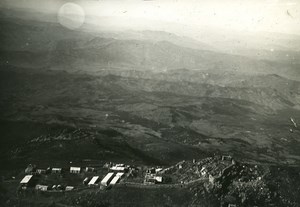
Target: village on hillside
219,178
209,171
74,177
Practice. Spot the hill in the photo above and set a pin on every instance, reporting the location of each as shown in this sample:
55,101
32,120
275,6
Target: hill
161,117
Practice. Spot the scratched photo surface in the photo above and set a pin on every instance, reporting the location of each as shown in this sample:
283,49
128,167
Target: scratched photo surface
150,103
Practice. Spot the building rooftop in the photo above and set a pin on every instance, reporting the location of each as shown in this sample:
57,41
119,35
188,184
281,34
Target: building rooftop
120,174
118,168
56,168
41,186
75,168
107,177
69,188
26,179
93,180
115,180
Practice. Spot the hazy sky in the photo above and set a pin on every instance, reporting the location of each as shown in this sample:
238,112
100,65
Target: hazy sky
254,16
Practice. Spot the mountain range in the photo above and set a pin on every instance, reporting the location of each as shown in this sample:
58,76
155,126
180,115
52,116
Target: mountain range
154,88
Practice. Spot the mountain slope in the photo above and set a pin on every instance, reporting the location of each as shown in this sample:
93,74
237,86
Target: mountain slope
36,44
156,116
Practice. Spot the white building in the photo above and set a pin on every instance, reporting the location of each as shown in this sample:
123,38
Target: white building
26,180
106,180
152,179
157,170
75,170
159,179
203,171
41,187
69,188
93,181
120,174
117,178
86,181
115,168
119,167
56,170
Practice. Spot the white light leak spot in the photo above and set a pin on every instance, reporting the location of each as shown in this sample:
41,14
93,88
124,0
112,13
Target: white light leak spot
287,55
272,50
71,16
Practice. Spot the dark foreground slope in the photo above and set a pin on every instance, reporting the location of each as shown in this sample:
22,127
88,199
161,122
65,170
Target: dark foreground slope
243,185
